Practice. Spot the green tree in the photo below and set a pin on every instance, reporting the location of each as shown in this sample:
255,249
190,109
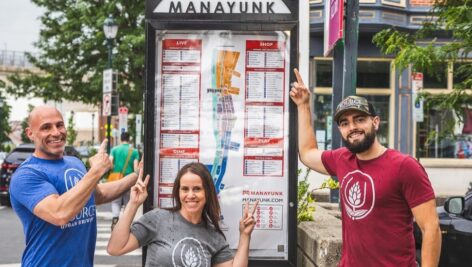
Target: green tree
5,129
73,52
71,132
24,125
421,51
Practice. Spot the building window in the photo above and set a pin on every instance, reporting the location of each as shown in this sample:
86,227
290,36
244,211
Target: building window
398,3
324,73
435,138
461,72
436,80
373,74
370,74
323,118
441,135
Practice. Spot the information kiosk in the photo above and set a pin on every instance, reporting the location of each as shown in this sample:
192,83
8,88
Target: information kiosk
217,91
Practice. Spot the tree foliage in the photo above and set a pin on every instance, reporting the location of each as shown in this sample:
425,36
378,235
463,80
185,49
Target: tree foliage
71,132
422,51
5,129
73,52
24,125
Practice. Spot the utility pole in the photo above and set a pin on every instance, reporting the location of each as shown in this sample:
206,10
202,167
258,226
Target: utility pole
344,71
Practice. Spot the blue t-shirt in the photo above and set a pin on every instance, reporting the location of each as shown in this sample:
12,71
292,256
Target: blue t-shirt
72,244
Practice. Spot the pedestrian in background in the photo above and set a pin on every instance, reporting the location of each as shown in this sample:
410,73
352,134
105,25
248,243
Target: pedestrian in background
188,234
381,189
55,197
125,161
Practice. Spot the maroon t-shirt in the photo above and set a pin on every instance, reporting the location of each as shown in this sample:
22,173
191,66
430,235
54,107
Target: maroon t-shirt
376,198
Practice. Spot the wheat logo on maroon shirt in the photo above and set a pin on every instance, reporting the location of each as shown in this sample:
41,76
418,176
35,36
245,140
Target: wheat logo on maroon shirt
358,194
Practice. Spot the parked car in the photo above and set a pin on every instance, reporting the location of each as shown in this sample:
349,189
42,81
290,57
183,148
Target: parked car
455,219
13,160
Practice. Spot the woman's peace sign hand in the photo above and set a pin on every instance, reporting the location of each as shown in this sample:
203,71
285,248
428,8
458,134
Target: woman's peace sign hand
247,222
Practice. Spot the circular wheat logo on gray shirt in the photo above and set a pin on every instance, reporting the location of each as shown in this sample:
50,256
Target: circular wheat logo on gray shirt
189,252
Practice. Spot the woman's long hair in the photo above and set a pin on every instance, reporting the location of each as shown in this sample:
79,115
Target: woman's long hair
211,210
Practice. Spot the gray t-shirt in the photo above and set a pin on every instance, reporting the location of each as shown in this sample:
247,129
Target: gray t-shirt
174,241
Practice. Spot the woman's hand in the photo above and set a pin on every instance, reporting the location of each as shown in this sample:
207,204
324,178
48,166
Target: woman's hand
139,190
247,222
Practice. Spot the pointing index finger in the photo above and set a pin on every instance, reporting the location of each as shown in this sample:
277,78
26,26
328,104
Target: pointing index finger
299,77
103,146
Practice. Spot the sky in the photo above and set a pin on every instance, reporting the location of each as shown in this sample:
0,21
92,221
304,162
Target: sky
19,25
19,29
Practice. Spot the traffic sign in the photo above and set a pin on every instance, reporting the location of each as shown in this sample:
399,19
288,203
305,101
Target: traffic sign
416,86
123,119
107,81
139,123
106,104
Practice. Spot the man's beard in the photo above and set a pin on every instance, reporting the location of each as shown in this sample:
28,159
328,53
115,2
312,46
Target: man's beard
363,145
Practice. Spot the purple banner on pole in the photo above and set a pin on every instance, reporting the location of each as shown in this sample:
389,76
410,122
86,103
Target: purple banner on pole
333,24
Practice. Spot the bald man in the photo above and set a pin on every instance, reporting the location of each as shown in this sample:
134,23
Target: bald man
55,197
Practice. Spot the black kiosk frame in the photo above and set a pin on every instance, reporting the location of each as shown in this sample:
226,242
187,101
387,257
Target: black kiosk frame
260,16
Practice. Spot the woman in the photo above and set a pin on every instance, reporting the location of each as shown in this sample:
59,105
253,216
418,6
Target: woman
187,235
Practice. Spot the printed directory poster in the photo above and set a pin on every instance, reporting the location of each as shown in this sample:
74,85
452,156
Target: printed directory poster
222,100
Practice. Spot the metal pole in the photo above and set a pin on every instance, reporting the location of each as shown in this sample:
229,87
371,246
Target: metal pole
336,142
345,71
351,37
109,44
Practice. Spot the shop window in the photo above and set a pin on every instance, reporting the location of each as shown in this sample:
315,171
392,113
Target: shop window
461,72
323,118
381,105
436,80
373,74
324,73
370,74
441,136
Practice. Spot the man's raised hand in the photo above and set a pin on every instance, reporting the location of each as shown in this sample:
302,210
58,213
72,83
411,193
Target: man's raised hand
103,146
100,162
299,92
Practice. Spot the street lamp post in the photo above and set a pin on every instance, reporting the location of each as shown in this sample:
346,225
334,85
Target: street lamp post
111,29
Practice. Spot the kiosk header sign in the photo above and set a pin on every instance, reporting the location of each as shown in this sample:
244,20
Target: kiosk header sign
218,93
222,7
228,10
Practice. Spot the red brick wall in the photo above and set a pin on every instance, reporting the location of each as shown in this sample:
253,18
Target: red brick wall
421,2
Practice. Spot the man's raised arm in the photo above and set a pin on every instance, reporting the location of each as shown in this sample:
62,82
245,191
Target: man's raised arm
310,155
60,209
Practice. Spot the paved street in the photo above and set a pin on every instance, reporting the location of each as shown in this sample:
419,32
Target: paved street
12,241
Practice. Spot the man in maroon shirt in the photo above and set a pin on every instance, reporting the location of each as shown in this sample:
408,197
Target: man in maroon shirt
381,190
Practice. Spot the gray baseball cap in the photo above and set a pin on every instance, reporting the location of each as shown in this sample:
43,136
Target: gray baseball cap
356,103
